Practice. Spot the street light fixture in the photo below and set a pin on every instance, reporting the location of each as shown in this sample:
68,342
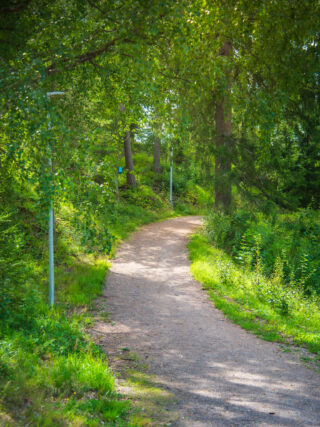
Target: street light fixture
51,216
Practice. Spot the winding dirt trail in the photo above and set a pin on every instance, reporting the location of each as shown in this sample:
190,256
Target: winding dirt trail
220,374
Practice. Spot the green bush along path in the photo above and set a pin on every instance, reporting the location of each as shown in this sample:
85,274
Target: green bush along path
263,273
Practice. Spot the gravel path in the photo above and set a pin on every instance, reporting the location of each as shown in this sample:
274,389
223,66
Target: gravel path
220,374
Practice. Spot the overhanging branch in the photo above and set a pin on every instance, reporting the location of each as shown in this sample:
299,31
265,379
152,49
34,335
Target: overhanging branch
85,57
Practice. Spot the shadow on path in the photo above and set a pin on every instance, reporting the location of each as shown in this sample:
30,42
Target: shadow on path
220,374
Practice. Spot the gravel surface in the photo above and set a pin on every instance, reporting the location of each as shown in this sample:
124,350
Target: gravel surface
220,374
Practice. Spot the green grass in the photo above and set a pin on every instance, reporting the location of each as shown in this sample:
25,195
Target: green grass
266,307
80,283
51,373
154,405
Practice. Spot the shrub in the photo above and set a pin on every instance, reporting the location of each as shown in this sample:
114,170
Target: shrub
145,197
291,239
197,196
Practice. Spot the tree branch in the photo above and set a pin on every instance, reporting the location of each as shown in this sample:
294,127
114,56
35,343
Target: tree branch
104,12
80,59
175,77
16,8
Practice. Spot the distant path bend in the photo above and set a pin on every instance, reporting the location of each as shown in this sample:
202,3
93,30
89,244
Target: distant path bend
221,375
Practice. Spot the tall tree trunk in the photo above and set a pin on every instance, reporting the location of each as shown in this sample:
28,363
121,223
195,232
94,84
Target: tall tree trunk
223,119
131,180
156,155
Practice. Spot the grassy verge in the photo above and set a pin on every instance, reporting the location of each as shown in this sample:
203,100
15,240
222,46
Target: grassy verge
51,372
152,404
263,306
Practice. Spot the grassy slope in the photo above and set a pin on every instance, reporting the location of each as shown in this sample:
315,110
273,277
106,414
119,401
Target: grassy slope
254,302
51,373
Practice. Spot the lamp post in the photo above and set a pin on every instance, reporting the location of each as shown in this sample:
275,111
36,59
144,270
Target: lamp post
171,175
51,216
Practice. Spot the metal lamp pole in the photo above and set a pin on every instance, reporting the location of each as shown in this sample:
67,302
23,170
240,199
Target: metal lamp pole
171,176
51,216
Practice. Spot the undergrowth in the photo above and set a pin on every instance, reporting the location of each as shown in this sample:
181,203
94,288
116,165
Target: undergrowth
285,242
51,373
264,305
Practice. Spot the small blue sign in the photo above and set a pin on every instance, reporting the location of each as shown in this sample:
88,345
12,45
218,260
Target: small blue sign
120,170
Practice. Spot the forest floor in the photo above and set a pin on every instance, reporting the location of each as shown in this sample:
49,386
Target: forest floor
182,360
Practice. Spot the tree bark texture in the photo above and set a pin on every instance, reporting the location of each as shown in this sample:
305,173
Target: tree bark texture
131,180
156,155
223,119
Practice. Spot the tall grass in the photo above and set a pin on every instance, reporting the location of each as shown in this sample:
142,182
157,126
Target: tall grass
263,304
289,242
51,373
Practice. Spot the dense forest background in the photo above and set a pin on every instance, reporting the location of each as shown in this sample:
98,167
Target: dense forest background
232,87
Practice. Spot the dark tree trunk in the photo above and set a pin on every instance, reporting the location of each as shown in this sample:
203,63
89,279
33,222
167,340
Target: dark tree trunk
223,119
156,155
131,180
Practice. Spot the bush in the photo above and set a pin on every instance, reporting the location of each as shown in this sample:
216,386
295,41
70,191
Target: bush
291,239
264,305
197,196
19,294
145,197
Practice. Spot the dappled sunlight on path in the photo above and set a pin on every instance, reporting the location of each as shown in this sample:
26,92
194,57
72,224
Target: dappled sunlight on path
220,374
